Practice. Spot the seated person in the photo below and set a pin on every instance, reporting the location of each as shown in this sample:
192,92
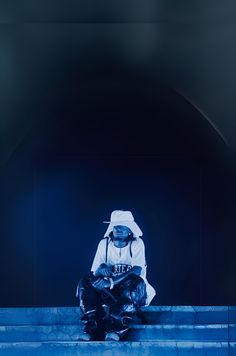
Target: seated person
117,288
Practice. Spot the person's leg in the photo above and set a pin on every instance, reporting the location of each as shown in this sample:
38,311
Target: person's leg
87,295
133,288
89,300
130,295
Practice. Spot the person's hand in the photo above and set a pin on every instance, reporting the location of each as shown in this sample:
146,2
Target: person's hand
104,270
100,283
136,270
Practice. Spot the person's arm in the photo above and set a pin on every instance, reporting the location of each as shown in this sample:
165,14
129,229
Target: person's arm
103,271
138,268
106,282
135,270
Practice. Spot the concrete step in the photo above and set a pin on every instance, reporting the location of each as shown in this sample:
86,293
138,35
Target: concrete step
213,332
148,348
188,315
39,315
150,315
17,333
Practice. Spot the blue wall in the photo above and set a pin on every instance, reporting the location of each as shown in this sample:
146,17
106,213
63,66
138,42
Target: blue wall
115,146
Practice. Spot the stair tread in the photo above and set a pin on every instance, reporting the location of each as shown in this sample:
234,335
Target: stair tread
96,343
135,326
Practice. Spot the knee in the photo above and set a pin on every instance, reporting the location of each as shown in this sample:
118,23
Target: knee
83,283
140,281
136,279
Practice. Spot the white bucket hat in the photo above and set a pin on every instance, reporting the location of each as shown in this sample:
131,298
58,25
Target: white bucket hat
125,218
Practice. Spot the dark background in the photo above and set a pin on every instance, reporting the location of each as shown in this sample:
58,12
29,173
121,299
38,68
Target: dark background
117,106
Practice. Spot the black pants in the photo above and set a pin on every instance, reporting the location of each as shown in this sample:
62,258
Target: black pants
111,310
